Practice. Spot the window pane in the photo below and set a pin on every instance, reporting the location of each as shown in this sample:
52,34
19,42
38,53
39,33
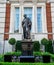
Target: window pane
17,13
28,12
39,19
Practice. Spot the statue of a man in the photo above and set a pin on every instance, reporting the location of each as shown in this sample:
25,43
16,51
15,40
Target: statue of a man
26,24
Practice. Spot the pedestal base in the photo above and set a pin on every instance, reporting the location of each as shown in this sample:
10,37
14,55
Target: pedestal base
27,59
27,48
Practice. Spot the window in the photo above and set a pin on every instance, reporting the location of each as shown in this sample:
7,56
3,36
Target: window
28,12
17,17
39,19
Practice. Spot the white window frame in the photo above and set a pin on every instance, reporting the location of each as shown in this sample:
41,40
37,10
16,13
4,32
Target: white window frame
41,19
16,31
32,6
12,17
34,20
44,27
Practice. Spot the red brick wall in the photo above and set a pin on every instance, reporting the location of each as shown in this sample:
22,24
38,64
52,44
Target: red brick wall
49,20
7,21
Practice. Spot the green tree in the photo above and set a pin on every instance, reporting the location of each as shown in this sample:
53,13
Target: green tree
12,41
44,42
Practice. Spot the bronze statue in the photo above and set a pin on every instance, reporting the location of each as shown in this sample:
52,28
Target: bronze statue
26,24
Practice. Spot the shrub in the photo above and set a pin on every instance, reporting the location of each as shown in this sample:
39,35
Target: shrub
17,63
49,46
18,46
14,53
12,41
36,46
40,53
44,41
1,58
52,57
37,53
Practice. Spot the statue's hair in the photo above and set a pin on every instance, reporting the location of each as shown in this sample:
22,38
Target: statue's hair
25,15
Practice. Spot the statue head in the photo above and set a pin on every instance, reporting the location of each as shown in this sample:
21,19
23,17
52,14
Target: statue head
25,16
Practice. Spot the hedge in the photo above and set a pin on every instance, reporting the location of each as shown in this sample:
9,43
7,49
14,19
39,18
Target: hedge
16,63
14,53
1,58
34,53
18,46
41,53
49,46
36,46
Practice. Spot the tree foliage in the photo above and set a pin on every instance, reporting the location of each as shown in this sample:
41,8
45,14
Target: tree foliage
44,41
36,46
12,41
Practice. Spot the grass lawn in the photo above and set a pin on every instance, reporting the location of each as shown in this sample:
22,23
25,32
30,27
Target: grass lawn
17,63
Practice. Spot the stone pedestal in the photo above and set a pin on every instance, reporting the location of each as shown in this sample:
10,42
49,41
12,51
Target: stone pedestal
27,48
27,59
